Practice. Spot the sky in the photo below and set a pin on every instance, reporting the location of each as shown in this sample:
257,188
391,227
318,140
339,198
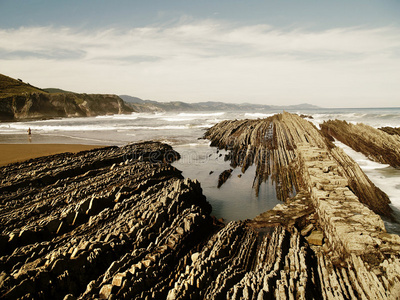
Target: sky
328,53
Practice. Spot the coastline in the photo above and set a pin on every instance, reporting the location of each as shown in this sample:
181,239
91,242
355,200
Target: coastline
13,153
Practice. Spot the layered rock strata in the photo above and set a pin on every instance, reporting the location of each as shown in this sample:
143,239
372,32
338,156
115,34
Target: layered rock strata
272,145
301,160
378,145
391,130
89,224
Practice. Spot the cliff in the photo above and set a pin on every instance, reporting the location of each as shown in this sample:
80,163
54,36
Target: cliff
43,106
20,101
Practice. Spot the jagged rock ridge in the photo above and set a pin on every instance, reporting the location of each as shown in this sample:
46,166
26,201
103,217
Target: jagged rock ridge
272,144
81,221
299,158
391,130
376,144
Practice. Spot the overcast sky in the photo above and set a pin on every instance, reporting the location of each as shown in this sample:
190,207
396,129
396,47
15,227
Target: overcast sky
329,53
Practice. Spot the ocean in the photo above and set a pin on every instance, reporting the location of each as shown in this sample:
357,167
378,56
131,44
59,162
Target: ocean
184,131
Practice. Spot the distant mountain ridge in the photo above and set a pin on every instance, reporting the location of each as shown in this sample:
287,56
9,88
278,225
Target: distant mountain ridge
21,101
141,105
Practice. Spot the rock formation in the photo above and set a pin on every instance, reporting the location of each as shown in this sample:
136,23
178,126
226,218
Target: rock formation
391,130
224,176
42,105
122,223
374,143
272,144
301,162
21,101
110,221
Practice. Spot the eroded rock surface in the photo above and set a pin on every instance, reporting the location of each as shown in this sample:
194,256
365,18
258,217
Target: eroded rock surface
114,221
376,144
40,105
391,130
299,159
272,145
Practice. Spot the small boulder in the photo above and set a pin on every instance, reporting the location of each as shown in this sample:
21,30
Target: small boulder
316,238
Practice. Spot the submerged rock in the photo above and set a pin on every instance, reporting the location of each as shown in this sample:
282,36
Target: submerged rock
224,176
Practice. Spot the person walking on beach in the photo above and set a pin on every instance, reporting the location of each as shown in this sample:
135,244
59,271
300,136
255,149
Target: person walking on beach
29,135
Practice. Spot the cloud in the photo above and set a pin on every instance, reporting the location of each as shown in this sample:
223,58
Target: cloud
209,60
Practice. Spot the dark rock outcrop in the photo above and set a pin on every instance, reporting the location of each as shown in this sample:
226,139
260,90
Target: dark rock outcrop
374,143
391,130
224,176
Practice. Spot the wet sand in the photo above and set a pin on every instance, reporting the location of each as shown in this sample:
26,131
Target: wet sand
11,153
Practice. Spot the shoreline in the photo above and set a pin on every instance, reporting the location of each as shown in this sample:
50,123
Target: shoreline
14,153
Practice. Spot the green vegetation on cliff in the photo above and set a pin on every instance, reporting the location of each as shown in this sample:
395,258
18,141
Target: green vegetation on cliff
10,85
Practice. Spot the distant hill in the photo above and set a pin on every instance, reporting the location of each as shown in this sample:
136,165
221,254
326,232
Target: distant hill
10,85
21,101
151,106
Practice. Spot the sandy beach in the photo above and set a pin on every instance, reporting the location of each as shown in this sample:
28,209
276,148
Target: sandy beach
11,153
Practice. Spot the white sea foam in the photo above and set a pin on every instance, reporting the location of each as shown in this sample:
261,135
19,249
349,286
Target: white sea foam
132,116
201,114
383,176
61,128
177,119
257,115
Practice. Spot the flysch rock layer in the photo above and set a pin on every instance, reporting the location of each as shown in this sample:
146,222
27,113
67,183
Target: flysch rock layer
299,159
114,221
391,130
382,146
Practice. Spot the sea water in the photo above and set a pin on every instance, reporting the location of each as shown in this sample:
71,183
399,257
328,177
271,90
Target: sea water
184,131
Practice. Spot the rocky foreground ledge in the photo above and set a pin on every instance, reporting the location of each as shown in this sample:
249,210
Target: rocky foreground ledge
122,223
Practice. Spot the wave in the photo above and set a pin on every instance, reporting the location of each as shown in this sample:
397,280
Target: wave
52,128
22,128
257,115
201,114
133,116
177,119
